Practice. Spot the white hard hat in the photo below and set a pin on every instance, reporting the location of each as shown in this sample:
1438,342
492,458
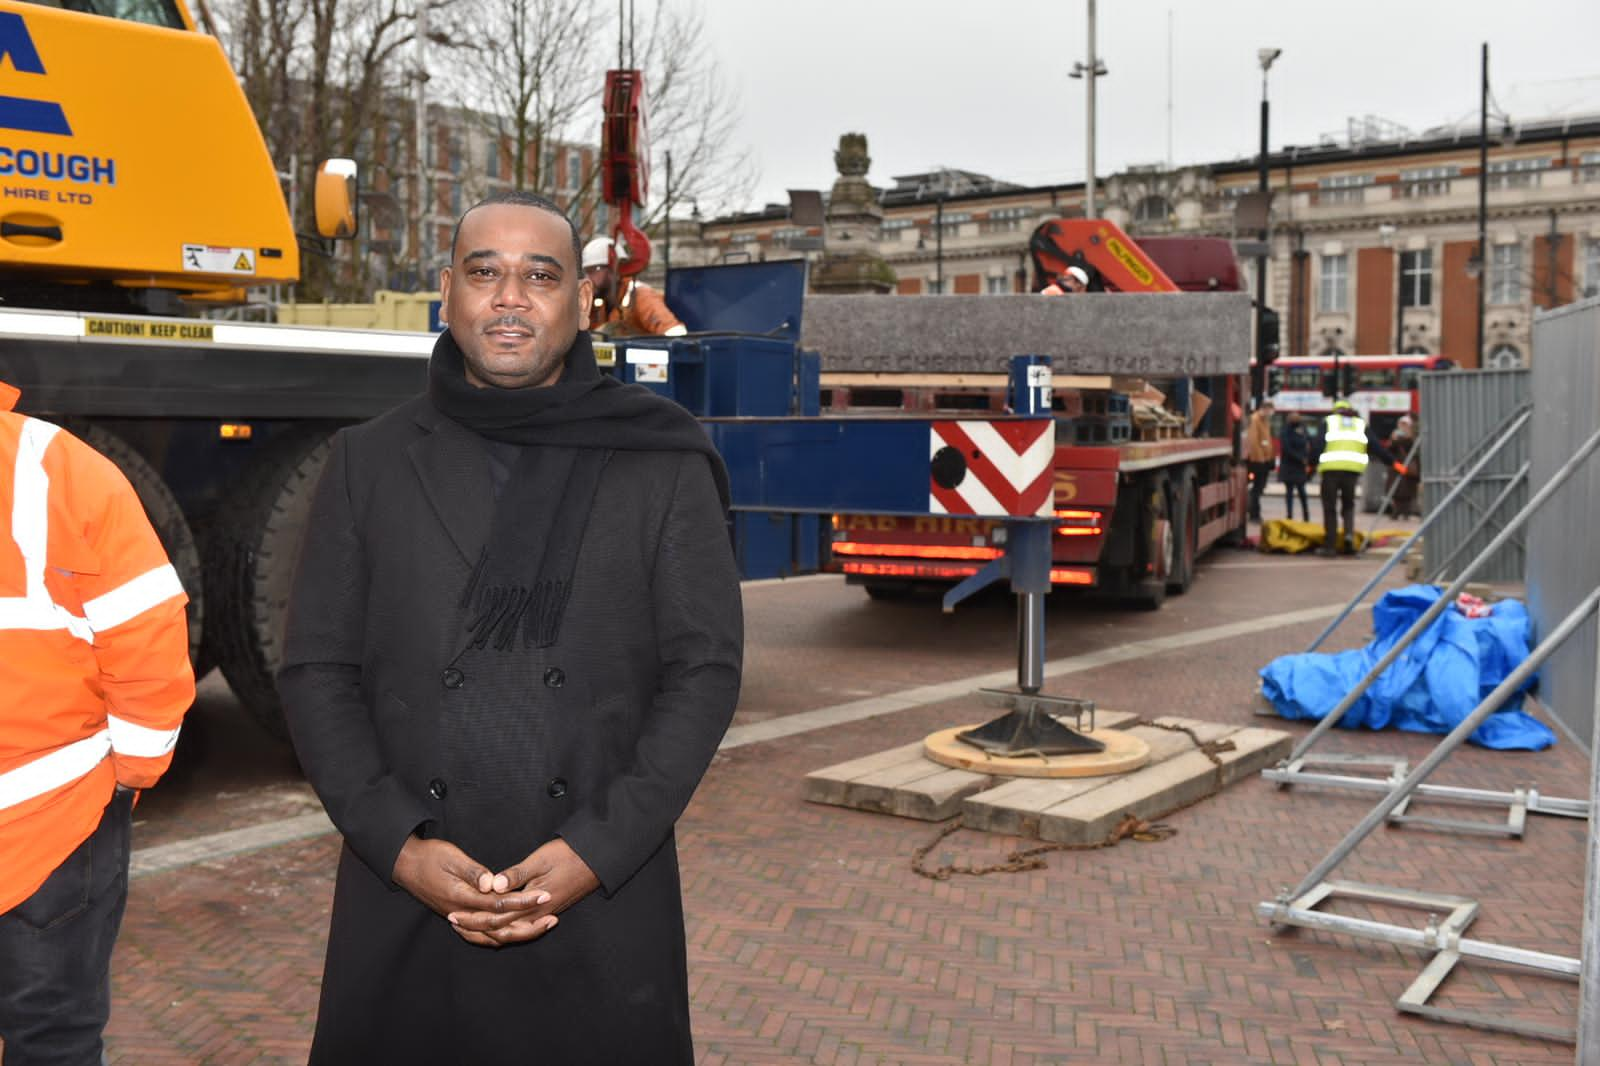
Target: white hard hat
597,253
1081,274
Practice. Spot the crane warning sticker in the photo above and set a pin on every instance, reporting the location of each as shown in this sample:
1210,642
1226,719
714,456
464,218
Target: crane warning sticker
212,259
141,329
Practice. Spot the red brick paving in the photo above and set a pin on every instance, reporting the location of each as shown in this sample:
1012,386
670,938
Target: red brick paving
812,941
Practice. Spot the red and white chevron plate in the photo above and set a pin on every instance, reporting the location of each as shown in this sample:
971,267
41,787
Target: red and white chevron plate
1009,468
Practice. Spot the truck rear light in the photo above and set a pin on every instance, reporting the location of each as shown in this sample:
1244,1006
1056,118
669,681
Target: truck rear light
915,551
234,431
1061,575
1078,523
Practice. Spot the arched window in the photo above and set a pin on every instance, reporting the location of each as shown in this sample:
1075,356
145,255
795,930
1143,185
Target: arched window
1152,209
1417,349
1333,352
1504,357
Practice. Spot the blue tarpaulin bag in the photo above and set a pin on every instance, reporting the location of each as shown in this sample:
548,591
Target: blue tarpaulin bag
1432,686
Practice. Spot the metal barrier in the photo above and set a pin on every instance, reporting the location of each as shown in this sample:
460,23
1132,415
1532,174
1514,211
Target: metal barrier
1297,907
1510,431
1444,601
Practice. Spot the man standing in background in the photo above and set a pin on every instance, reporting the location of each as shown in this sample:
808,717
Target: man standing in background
1259,455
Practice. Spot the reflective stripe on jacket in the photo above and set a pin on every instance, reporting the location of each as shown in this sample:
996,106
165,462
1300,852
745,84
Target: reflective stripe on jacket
643,312
94,647
1344,444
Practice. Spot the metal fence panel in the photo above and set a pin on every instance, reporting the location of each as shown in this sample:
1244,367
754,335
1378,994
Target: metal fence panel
1462,413
1563,546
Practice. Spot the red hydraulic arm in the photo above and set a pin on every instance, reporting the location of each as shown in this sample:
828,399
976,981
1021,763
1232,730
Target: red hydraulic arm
625,165
1113,261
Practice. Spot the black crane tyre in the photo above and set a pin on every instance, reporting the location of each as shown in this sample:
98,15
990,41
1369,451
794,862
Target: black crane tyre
254,547
165,515
1183,505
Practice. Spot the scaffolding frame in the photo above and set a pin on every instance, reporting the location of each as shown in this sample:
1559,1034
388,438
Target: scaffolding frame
1298,907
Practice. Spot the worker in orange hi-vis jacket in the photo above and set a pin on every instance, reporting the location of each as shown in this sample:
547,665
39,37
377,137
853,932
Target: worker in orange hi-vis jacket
624,307
94,682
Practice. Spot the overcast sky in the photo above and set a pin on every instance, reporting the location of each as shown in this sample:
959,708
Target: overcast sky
983,84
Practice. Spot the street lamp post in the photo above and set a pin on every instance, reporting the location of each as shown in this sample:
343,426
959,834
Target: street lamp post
1483,196
1089,72
1258,376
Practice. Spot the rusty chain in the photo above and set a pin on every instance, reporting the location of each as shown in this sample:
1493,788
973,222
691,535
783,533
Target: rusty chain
1131,825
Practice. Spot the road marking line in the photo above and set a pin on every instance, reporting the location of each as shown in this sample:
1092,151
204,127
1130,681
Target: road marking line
270,834
215,846
874,706
803,579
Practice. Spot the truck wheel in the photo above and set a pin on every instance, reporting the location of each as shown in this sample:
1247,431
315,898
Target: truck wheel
1184,509
161,507
253,550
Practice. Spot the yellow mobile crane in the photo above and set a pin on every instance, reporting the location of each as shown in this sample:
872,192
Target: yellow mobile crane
135,189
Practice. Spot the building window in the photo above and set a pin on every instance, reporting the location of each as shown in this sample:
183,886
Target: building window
934,287
999,284
741,238
1589,167
1504,357
1152,209
1335,290
1343,188
1505,274
574,169
1332,351
1427,181
895,225
1005,220
1516,173
952,221
1416,278
1591,267
783,236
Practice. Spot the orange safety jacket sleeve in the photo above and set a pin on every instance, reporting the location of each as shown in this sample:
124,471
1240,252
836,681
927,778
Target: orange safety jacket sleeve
650,312
133,601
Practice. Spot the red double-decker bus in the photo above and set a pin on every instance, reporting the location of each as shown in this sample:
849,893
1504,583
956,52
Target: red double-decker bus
1381,387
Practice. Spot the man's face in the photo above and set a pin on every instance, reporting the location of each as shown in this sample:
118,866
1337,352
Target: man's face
600,278
1071,283
513,295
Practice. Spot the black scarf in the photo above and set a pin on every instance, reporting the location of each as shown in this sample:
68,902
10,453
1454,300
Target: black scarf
524,575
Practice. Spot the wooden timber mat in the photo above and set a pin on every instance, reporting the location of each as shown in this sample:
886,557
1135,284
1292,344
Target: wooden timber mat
1124,752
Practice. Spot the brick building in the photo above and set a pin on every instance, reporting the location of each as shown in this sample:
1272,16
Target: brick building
1373,236
468,157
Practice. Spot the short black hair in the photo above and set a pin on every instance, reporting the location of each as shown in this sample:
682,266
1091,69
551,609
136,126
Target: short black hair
521,198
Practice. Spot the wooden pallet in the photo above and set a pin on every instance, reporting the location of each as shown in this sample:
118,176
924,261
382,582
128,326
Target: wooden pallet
904,782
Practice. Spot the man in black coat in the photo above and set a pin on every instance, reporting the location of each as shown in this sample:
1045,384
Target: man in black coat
514,644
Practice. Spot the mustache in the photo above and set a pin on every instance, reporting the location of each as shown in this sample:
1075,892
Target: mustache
512,321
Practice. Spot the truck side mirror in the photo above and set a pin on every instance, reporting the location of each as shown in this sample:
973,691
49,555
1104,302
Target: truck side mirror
336,198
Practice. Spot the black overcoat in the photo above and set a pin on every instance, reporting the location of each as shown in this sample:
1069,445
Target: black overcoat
599,739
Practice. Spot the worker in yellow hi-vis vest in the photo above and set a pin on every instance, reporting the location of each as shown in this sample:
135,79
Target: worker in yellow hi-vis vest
1345,447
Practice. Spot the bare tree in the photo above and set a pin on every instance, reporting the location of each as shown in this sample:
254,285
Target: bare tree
692,115
537,81
320,76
